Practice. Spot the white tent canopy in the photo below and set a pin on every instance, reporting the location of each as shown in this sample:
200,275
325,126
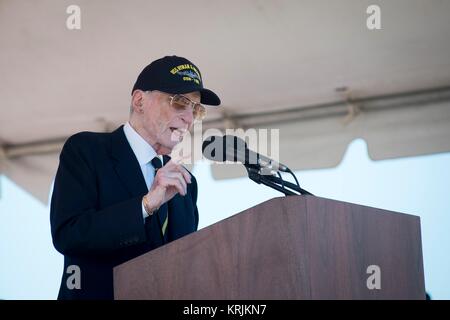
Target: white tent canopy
275,64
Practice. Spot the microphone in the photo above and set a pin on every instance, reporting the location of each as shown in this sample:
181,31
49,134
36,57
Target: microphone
234,149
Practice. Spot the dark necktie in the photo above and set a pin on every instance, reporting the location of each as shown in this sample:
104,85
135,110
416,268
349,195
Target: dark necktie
162,212
156,163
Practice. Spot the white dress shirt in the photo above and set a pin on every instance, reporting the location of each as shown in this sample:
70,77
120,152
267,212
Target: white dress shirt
144,153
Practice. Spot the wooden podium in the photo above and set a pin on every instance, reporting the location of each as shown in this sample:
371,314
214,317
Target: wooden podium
297,247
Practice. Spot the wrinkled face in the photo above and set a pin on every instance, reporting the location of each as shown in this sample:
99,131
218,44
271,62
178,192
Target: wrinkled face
164,123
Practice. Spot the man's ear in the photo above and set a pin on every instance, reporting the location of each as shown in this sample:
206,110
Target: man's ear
137,101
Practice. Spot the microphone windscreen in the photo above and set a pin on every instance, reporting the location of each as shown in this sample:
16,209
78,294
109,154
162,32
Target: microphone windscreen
224,148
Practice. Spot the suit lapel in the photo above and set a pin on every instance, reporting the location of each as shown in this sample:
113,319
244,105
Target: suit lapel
126,165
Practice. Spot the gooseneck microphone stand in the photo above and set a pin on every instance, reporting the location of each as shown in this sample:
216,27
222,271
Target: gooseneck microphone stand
273,179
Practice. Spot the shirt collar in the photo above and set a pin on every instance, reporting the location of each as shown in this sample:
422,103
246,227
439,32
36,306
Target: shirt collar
143,151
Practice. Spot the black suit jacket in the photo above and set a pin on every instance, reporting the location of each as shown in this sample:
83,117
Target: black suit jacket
96,212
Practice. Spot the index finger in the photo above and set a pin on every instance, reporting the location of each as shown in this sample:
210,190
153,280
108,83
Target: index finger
186,174
178,167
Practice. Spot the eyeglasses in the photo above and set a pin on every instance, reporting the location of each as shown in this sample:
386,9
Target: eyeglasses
182,104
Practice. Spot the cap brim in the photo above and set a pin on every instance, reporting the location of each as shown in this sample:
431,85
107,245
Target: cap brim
209,98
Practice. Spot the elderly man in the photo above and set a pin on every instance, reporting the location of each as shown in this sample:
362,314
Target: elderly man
118,195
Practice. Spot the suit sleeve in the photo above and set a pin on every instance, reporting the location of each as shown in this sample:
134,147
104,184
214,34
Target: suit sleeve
78,226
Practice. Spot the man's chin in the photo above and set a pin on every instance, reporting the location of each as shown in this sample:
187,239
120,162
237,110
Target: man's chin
167,148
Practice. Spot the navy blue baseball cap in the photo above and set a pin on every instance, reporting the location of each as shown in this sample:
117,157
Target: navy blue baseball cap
175,75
